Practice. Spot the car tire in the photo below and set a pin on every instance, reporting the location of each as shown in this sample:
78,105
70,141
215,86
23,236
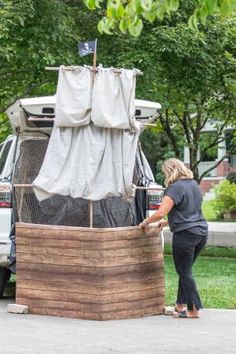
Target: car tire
4,277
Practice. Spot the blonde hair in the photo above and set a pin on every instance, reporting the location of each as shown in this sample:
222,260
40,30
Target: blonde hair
175,169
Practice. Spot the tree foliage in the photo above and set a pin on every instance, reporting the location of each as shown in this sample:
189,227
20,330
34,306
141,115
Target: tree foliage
129,15
191,73
197,85
33,34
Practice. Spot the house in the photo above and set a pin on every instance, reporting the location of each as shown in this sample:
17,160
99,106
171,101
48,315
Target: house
227,165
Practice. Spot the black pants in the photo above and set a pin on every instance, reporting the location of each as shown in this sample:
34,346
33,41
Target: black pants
186,248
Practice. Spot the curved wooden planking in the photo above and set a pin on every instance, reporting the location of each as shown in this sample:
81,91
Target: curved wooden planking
89,273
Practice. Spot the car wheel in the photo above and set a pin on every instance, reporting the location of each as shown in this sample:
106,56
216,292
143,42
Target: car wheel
4,277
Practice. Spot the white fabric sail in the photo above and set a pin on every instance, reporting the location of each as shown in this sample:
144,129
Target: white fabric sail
88,162
113,99
73,97
91,160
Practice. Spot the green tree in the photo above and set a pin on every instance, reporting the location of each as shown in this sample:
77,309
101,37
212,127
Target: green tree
191,73
129,15
157,148
33,35
193,76
197,82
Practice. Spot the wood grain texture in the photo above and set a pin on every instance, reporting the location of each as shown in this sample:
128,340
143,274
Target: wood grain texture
97,274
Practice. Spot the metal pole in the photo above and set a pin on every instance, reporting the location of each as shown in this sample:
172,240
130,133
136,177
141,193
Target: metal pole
22,185
91,214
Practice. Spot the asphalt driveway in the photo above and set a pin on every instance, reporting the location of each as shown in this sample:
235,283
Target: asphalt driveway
214,332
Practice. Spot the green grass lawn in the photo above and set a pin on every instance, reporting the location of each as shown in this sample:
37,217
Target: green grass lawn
215,278
214,272
210,251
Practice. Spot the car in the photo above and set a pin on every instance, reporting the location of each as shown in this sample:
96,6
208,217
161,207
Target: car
21,156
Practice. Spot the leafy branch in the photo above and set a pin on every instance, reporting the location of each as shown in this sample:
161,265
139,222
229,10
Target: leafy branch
128,15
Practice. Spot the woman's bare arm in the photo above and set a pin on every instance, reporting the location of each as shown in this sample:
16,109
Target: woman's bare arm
165,207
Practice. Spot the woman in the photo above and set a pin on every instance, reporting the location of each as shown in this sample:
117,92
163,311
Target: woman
182,203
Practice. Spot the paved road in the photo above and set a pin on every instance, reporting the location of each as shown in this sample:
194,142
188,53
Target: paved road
213,333
220,234
217,226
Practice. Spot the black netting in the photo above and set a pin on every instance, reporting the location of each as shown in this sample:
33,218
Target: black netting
62,210
30,159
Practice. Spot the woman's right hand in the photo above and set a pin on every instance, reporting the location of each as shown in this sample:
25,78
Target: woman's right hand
162,223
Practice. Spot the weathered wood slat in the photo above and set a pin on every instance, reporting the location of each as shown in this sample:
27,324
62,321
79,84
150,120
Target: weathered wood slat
130,295
91,307
111,315
100,277
81,233
88,245
91,254
87,261
131,269
89,273
88,288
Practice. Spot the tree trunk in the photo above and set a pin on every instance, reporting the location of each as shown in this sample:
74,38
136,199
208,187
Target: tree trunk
193,162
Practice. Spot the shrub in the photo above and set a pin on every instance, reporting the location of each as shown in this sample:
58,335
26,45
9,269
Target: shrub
225,199
232,177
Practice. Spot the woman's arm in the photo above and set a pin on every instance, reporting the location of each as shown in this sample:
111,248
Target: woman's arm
165,207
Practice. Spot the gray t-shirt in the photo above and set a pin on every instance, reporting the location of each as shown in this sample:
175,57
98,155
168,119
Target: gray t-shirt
186,213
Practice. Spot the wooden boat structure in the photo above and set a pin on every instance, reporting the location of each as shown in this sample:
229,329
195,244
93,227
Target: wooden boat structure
89,273
83,272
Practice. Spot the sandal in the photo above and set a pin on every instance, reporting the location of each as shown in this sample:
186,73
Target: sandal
183,314
176,311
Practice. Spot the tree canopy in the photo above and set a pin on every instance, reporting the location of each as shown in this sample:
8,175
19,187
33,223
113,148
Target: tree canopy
33,34
191,73
128,15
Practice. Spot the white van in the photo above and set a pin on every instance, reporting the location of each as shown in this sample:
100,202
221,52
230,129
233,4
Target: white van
32,120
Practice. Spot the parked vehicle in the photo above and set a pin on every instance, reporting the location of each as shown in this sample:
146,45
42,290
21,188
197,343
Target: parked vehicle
32,120
6,155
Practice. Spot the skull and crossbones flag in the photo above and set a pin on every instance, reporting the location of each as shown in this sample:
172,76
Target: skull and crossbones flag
86,48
